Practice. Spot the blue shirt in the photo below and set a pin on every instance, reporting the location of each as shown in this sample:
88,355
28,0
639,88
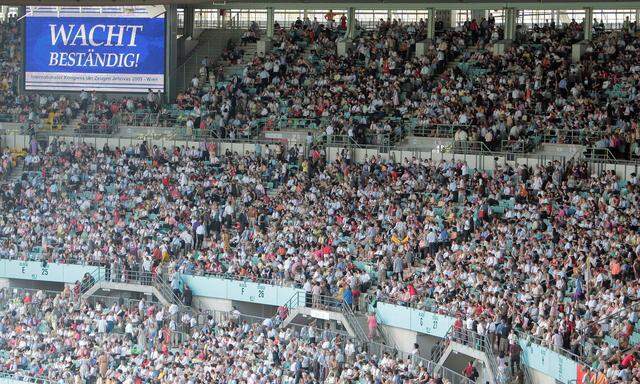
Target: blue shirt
347,296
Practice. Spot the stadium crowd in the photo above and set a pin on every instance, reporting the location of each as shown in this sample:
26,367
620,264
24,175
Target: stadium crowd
551,252
63,340
420,233
534,91
531,93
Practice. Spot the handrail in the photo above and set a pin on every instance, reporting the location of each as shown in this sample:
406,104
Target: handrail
439,347
431,366
564,352
386,338
353,322
527,376
481,343
25,378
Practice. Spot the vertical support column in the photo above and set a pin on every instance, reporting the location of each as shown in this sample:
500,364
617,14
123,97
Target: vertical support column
388,14
587,24
270,22
478,14
510,24
264,44
637,17
431,24
351,23
189,16
510,16
343,46
171,52
446,16
223,18
422,46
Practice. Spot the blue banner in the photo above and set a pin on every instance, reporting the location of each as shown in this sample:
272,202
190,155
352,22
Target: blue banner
102,53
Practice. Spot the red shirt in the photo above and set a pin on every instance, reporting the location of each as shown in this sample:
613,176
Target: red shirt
628,360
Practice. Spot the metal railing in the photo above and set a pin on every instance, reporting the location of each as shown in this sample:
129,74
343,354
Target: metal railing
353,321
481,343
571,136
617,318
564,352
438,130
25,377
438,349
432,367
106,129
157,280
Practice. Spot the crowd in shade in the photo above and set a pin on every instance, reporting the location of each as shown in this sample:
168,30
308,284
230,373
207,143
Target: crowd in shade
10,66
302,77
381,90
434,235
535,92
109,340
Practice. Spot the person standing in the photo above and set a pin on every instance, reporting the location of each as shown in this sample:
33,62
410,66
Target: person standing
373,325
514,356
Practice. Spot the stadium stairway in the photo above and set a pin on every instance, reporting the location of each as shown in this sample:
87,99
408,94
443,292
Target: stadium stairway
211,43
147,283
328,309
131,287
232,69
474,345
381,336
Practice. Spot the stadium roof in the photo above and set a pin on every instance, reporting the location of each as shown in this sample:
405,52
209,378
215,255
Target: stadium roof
363,4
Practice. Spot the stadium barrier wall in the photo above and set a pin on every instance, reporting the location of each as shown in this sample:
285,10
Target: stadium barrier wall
543,360
476,161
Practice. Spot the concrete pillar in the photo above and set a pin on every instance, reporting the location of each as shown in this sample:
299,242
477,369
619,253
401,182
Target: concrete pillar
587,24
343,47
351,23
422,46
500,47
478,14
637,16
189,17
510,20
264,45
431,24
577,50
171,55
444,16
270,22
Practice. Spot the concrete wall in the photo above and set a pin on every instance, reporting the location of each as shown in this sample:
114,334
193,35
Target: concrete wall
403,338
15,141
426,343
540,378
255,309
212,304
